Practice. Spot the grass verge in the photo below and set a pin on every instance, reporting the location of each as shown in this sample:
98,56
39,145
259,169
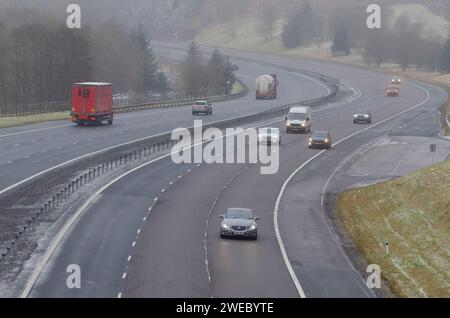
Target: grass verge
31,119
446,114
412,213
237,88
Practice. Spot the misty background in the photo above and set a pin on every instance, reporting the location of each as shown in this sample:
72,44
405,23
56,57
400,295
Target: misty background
40,58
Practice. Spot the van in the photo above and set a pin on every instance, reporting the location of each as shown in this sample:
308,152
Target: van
298,119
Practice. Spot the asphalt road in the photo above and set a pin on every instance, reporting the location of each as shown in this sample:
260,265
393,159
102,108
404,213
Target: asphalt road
28,150
166,254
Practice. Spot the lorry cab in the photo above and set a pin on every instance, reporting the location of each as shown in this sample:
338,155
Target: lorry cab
298,119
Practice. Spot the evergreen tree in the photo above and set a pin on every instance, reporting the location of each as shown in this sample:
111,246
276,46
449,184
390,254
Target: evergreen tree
149,66
341,42
445,57
162,83
220,71
192,71
302,27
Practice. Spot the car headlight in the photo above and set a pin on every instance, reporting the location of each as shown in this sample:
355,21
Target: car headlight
327,140
288,124
225,226
252,227
355,115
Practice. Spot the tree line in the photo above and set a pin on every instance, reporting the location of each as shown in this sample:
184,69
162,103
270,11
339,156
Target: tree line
40,59
401,41
215,75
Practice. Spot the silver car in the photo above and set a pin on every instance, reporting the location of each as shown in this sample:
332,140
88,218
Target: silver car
238,222
362,117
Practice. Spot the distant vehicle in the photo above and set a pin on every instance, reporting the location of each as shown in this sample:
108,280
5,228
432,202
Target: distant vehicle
238,222
298,119
266,86
320,139
202,106
396,81
392,90
269,136
92,103
362,117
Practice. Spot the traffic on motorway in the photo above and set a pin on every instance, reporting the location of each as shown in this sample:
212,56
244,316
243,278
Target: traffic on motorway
280,151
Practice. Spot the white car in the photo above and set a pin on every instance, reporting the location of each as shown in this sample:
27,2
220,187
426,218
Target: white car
269,136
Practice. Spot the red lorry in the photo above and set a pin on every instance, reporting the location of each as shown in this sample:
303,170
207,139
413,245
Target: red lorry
266,86
92,103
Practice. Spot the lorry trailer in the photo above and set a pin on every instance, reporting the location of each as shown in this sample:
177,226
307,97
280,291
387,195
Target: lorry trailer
92,103
266,86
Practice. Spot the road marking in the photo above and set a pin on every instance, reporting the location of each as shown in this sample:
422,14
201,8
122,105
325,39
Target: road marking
145,218
139,231
81,210
129,258
134,244
95,153
280,195
31,131
124,275
119,295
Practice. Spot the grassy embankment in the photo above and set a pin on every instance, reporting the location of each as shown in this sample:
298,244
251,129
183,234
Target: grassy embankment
31,119
412,213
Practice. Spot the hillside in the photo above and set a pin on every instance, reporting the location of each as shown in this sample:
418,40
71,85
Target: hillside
186,18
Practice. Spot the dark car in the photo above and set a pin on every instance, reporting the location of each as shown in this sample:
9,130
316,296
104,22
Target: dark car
362,117
320,139
238,222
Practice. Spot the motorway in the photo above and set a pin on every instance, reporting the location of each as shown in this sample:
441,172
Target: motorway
29,150
154,232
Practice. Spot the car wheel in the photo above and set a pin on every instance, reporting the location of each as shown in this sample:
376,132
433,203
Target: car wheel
222,236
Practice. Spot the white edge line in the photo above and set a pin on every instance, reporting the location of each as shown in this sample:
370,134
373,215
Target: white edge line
65,229
61,234
277,203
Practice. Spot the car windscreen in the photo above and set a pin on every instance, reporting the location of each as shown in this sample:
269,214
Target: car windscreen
239,214
319,135
201,103
297,116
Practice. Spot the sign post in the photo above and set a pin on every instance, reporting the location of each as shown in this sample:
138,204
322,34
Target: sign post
433,148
